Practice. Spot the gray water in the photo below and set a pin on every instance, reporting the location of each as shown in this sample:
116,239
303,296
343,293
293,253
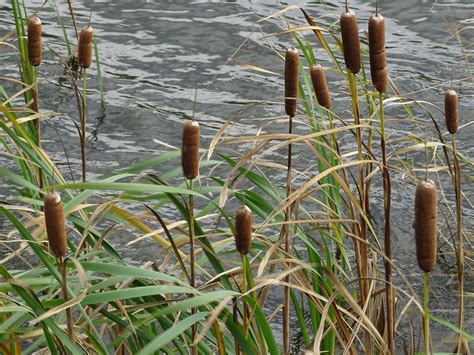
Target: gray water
154,54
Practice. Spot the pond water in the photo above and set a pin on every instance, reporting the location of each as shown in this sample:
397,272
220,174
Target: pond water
154,54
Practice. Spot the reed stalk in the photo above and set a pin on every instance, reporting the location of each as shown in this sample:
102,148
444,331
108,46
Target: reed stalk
426,314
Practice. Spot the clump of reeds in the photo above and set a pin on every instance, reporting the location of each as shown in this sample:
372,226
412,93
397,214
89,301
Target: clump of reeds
84,47
350,40
451,110
34,41
320,86
57,238
378,60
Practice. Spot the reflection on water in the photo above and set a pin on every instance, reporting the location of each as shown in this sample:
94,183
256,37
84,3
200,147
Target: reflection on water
155,53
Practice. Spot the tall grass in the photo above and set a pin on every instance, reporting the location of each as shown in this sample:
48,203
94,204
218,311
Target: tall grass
332,266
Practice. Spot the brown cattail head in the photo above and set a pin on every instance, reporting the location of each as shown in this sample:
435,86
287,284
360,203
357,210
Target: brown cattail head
243,230
84,48
378,59
292,65
350,41
34,41
426,229
55,227
190,149
451,110
320,86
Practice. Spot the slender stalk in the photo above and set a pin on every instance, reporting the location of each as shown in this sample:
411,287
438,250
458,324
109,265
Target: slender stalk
389,296
62,270
460,245
83,126
37,125
191,258
244,289
426,315
72,17
286,291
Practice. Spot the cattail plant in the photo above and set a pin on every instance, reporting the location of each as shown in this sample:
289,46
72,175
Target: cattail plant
451,117
190,164
350,40
34,41
320,86
84,56
292,64
426,231
378,69
378,60
243,241
57,239
35,57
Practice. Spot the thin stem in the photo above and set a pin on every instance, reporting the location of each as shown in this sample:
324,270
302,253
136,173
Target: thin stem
244,289
286,291
191,258
347,6
426,314
387,236
72,17
62,269
37,125
460,244
83,127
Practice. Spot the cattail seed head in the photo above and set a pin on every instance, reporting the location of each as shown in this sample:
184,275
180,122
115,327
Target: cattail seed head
451,110
243,230
320,86
426,229
190,149
55,227
84,47
34,41
292,64
378,59
350,41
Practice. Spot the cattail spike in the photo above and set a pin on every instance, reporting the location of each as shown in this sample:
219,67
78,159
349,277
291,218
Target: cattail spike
292,63
55,226
84,47
320,86
190,149
34,41
426,229
451,110
243,230
378,59
350,41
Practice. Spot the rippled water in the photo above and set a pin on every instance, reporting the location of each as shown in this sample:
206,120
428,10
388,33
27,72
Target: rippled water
155,53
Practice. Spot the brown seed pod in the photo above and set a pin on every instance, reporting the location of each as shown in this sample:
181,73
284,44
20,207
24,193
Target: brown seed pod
34,41
451,110
55,227
350,41
426,229
243,230
320,86
292,64
378,59
84,48
190,149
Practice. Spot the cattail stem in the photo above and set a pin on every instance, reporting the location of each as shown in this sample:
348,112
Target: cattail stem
460,244
37,125
63,272
191,258
389,295
244,289
426,315
83,127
